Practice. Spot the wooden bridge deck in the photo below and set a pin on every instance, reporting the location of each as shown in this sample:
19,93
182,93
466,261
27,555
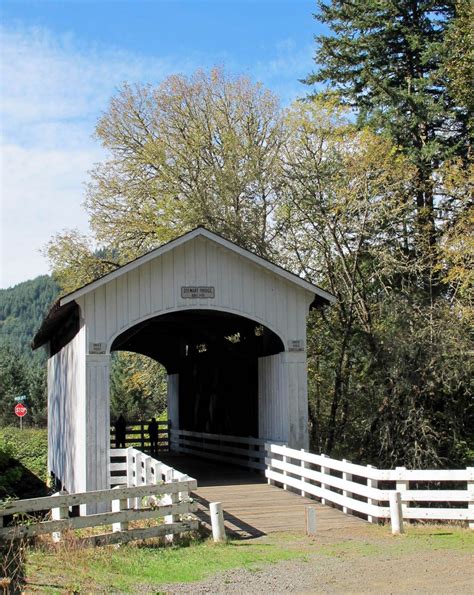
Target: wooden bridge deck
252,508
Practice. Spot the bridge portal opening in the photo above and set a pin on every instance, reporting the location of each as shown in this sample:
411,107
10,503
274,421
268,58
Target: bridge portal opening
211,359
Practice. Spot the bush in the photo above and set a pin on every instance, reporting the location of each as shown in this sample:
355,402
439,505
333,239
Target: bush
23,462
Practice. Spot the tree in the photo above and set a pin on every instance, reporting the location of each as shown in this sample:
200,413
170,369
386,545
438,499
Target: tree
138,387
389,374
198,150
387,60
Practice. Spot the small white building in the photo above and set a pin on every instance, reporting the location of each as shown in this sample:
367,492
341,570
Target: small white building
229,327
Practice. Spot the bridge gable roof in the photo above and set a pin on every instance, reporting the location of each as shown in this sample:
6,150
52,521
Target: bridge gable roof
213,237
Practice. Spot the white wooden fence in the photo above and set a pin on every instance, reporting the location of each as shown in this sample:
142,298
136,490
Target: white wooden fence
131,467
238,450
365,490
156,491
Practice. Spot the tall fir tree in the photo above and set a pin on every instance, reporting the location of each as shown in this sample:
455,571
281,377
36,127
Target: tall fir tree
387,60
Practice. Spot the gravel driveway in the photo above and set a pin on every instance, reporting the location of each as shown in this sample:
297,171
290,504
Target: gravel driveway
371,561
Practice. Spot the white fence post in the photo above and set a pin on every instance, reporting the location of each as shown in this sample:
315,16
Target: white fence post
268,450
157,470
346,477
310,520
402,486
396,515
139,474
58,514
117,506
148,473
470,489
284,472
170,499
303,479
371,483
217,521
323,485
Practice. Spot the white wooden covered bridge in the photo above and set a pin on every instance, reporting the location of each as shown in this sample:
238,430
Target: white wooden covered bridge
229,327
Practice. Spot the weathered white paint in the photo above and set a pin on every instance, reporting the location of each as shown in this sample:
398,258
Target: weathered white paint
67,414
116,518
396,514
273,399
198,233
243,283
97,422
217,521
242,287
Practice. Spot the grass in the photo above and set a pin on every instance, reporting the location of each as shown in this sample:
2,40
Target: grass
131,568
416,538
136,568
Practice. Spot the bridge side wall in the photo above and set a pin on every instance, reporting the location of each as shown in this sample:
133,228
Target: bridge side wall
67,414
283,398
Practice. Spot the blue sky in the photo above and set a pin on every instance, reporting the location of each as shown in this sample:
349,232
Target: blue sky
60,63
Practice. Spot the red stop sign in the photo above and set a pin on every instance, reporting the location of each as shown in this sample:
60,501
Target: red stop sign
20,410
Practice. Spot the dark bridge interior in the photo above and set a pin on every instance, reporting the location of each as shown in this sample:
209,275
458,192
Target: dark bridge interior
216,356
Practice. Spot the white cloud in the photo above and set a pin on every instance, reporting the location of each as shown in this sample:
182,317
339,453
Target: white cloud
41,194
53,91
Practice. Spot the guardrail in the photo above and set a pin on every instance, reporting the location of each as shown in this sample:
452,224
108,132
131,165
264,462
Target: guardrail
238,450
365,490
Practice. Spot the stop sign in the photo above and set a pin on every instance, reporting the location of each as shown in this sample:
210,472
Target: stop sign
20,410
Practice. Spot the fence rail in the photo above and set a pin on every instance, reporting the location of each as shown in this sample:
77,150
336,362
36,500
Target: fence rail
365,490
131,467
238,450
137,435
151,490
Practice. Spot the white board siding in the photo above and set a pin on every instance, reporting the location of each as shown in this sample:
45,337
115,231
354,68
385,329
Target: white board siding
283,399
67,413
273,407
298,399
241,287
97,422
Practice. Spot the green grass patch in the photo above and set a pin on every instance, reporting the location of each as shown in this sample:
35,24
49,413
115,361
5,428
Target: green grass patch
416,538
131,568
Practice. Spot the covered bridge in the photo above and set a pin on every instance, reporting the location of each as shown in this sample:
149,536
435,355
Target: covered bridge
228,326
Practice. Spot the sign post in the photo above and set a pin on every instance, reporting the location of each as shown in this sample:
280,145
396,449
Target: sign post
20,411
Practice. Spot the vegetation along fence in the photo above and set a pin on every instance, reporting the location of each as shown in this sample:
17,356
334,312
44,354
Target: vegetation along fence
238,450
137,435
365,490
158,493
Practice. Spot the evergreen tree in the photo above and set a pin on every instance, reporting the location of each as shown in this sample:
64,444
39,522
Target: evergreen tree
387,60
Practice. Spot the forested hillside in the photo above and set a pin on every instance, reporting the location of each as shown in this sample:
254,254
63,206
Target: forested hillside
22,309
137,382
23,371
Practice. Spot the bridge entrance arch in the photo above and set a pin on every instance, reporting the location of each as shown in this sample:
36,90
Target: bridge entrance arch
212,361
229,326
